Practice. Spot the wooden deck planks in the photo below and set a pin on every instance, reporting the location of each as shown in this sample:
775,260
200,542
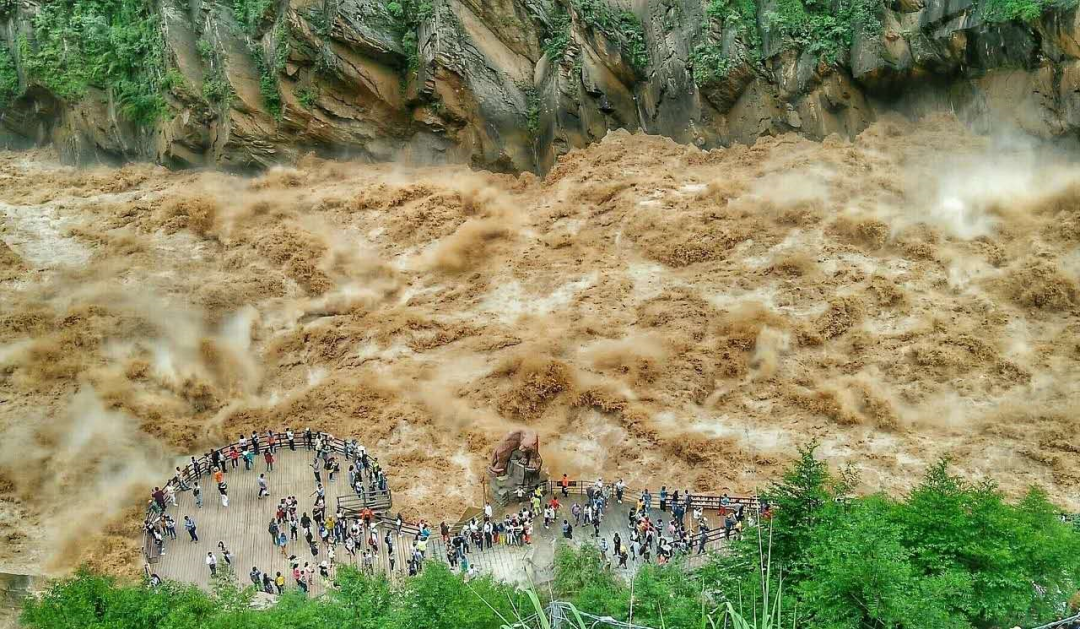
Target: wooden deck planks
243,528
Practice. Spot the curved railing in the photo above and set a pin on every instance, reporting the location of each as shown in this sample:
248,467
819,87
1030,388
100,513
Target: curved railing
380,500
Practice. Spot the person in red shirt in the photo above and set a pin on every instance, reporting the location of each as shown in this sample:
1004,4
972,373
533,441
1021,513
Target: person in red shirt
269,460
234,456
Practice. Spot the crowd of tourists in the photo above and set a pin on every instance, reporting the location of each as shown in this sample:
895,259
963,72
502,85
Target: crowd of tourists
647,535
321,531
657,528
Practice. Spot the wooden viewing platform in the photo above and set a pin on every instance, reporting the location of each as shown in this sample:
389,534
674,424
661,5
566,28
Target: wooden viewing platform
243,526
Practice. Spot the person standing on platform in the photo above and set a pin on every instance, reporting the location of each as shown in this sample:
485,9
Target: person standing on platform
225,554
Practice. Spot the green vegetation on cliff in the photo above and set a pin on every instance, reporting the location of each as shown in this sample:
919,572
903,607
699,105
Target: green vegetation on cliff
709,61
951,555
269,67
824,29
557,41
216,88
619,25
253,13
9,77
1021,10
114,45
820,27
408,15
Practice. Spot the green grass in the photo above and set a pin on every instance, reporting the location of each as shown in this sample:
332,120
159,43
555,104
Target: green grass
205,49
319,21
216,87
822,28
436,599
709,63
269,68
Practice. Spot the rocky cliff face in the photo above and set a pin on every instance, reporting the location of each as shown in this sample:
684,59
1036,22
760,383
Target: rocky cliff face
511,84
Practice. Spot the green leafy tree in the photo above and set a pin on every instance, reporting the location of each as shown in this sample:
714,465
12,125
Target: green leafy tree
1021,560
665,597
801,501
437,599
861,575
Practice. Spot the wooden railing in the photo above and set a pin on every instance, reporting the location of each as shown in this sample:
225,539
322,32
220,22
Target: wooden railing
381,501
706,502
378,500
188,475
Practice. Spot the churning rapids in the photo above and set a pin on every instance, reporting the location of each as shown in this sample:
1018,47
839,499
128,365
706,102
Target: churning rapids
650,309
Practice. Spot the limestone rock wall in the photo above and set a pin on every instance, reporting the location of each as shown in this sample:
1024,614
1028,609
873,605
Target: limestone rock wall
471,82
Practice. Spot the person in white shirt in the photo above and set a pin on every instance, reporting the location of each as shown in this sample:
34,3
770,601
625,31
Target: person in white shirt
211,562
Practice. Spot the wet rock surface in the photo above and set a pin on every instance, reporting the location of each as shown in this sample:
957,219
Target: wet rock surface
512,84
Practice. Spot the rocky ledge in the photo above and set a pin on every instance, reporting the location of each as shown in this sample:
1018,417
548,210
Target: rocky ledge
511,84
